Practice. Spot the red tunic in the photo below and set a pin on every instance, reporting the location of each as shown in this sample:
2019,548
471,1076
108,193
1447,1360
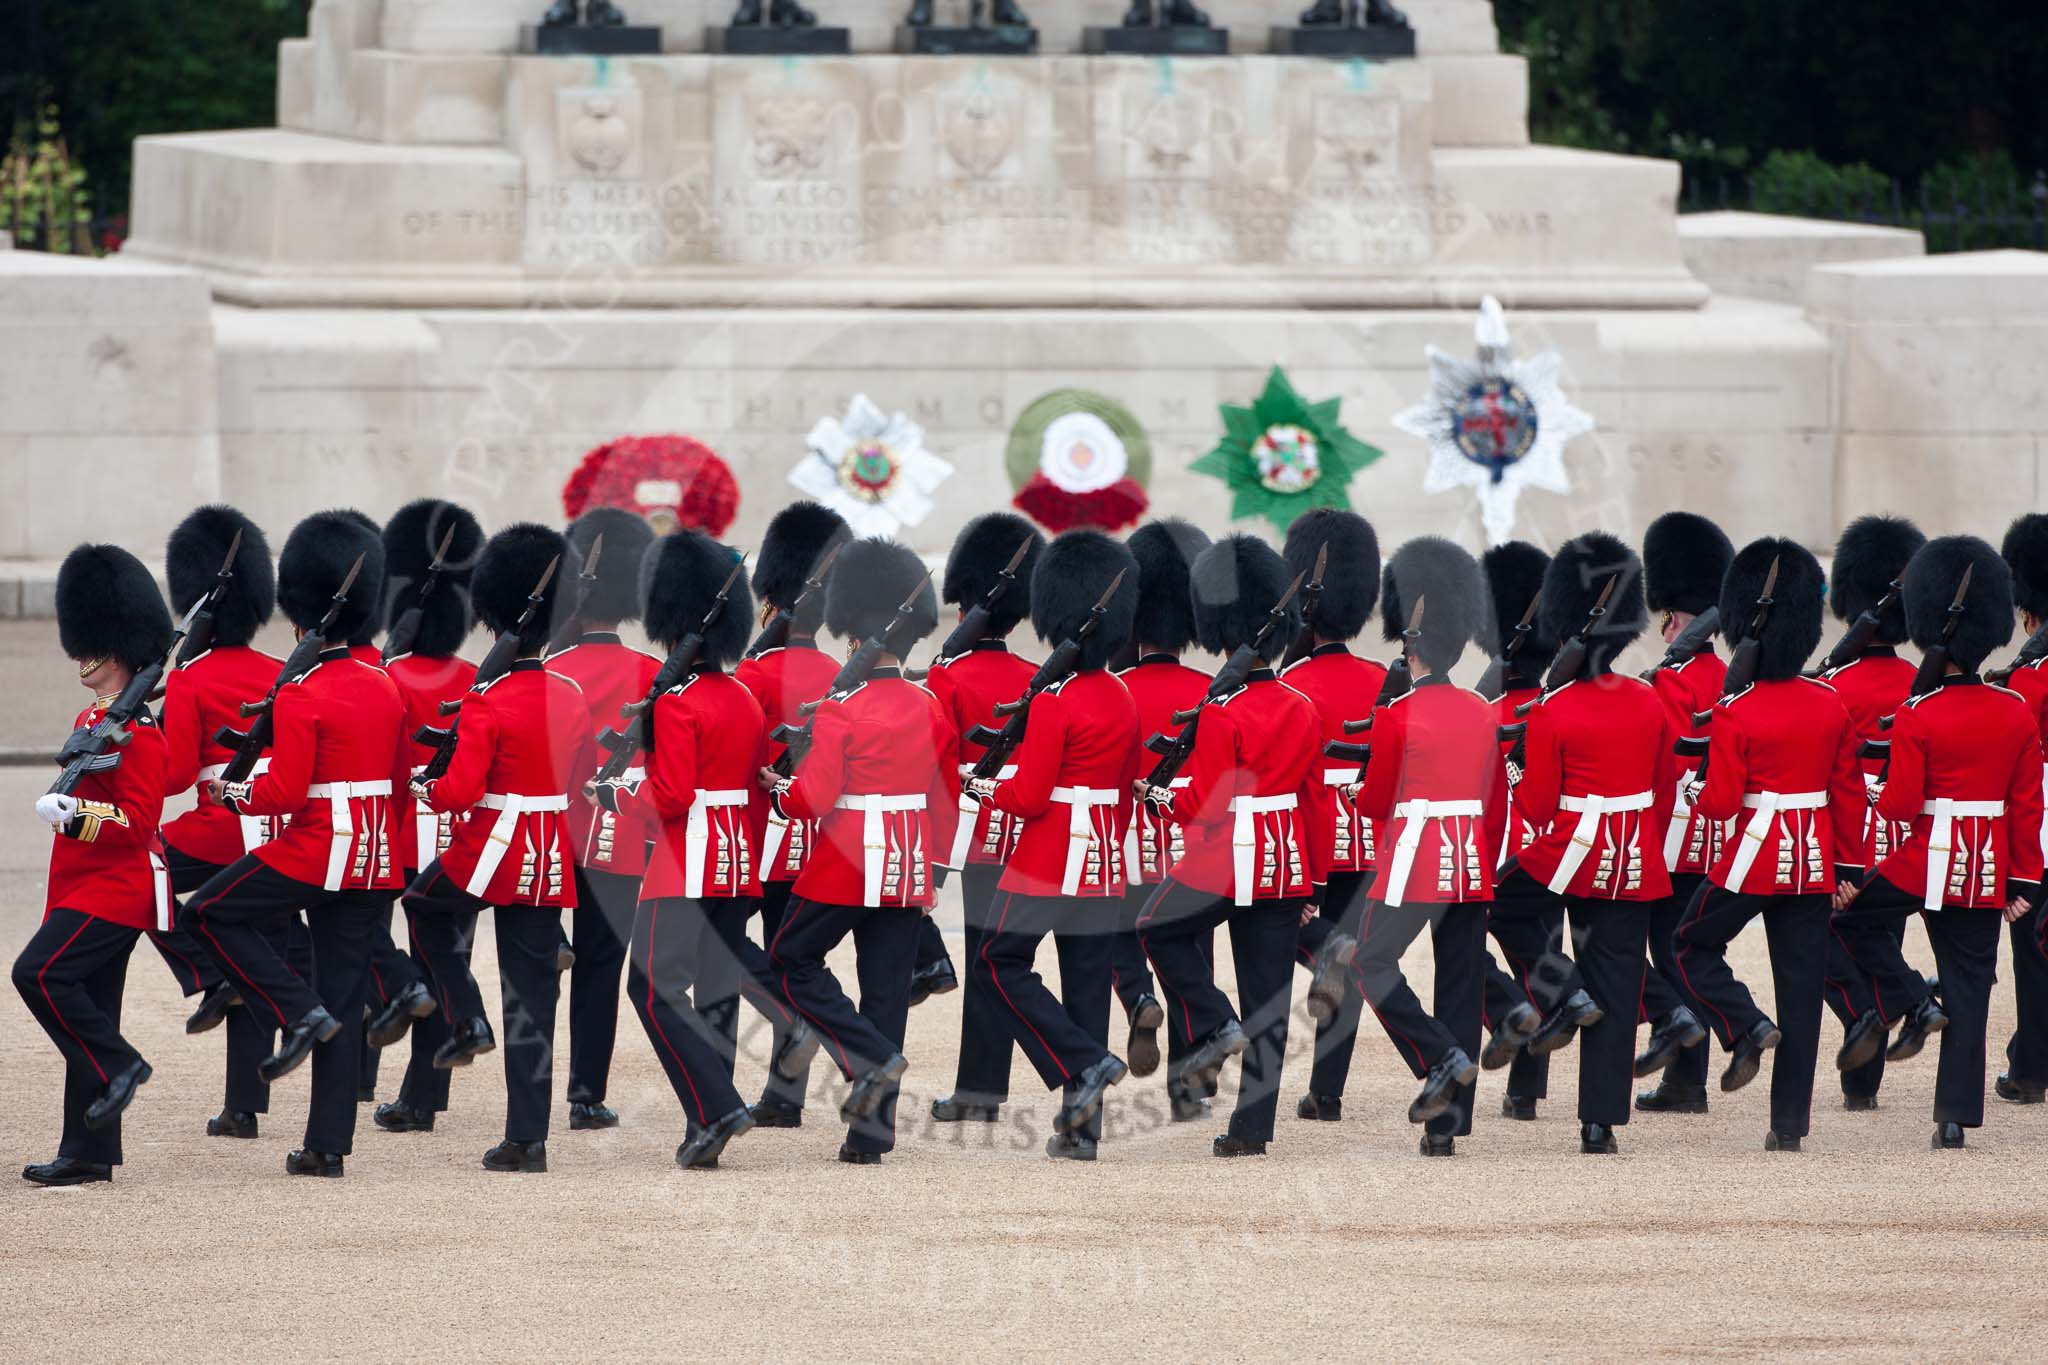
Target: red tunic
883,781
784,681
1692,842
1966,741
1438,786
1255,786
2031,683
1343,687
969,687
367,654
1072,790
1782,765
199,699
108,862
611,674
423,684
707,749
1520,830
516,758
1873,687
1609,738
341,752
1161,686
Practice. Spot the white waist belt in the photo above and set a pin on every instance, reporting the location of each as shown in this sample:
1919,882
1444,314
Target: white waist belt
1681,821
1082,802
1941,839
1244,839
874,841
1415,816
1340,777
338,796
1591,809
1766,806
160,884
1134,865
970,816
697,833
255,832
509,807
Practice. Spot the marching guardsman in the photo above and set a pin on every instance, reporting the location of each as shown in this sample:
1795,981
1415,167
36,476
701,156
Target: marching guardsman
428,672
1435,782
338,756
1071,790
1343,687
1599,777
971,678
1254,784
1873,683
1161,687
881,777
610,849
107,883
1685,557
2025,1078
1965,768
786,671
1781,763
707,733
516,758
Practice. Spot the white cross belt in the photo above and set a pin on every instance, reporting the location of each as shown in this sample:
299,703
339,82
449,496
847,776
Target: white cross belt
1415,816
1765,806
510,806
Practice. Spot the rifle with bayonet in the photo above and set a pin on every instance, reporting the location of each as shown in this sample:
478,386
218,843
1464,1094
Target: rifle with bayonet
1862,631
1000,745
1311,594
1396,685
504,650
406,629
896,638
2032,652
1741,672
195,632
1932,672
1697,635
1564,669
1173,753
248,745
586,584
775,634
1493,684
973,627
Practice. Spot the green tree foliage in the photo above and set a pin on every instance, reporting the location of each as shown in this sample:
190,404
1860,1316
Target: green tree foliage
43,202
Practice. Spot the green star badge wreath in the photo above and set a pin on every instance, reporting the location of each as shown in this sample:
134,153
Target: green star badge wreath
1284,455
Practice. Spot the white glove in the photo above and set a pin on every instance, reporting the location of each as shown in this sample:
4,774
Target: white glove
57,811
421,790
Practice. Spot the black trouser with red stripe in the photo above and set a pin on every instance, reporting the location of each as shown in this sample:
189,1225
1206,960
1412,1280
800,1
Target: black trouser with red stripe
1176,923
1131,974
237,917
759,986
982,1071
1065,1035
391,973
1796,928
1425,1037
425,1086
606,904
1848,994
1663,992
1527,922
668,940
71,974
1343,907
1610,945
191,967
1871,932
855,1039
2026,1053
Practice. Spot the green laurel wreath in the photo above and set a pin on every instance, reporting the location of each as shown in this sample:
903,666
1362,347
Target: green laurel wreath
1340,455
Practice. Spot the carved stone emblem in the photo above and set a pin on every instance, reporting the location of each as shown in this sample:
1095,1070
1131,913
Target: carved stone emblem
599,138
792,138
979,132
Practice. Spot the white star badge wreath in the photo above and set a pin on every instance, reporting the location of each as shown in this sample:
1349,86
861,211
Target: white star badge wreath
1495,424
871,469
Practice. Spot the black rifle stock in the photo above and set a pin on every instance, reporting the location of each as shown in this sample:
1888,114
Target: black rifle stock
586,584
1933,671
248,745
1565,668
775,634
896,638
1861,632
1697,635
1311,593
1742,665
1000,745
973,627
497,663
406,628
2031,652
1173,752
1493,684
1397,684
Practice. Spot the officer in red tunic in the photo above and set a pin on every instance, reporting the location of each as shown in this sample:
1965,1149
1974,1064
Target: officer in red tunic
107,883
1162,687
2025,1078
1781,764
882,780
784,678
517,755
1965,768
1072,793
430,673
1437,786
1870,556
704,870
1343,687
1253,795
969,687
339,756
611,852
1685,557
1600,778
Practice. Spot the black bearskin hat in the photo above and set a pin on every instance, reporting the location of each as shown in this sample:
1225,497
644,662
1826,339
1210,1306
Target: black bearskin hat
410,538
1871,553
1445,578
797,540
1514,575
108,607
512,562
1235,584
1793,632
2026,551
1166,611
1685,557
1351,581
983,547
1072,574
616,595
366,631
192,560
1931,580
679,579
1572,584
870,579
316,557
